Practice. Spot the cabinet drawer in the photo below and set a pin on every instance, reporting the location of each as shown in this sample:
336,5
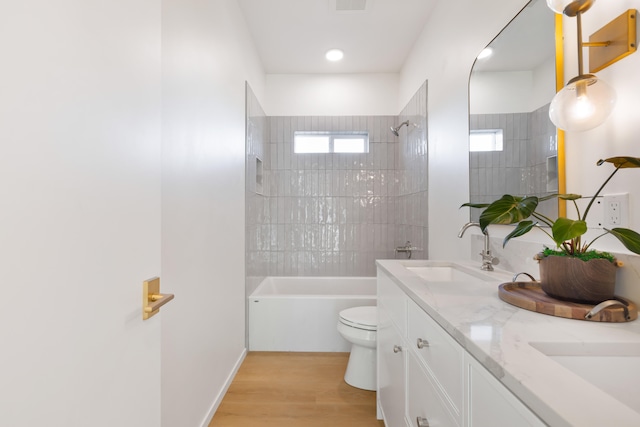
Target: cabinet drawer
394,300
441,354
424,400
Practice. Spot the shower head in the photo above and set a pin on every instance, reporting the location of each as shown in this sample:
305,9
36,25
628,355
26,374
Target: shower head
396,130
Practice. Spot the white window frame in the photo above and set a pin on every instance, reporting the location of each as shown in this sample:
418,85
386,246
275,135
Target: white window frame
497,143
332,136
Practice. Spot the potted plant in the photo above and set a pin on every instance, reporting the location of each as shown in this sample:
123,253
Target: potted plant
573,271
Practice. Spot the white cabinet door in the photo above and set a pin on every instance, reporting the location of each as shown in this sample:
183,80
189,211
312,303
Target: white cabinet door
491,404
391,371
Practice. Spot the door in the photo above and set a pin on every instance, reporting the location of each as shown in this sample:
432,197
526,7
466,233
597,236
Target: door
79,212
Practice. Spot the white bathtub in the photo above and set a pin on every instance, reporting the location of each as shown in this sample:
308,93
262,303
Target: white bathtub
301,313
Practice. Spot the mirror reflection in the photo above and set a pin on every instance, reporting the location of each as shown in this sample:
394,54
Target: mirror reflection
513,144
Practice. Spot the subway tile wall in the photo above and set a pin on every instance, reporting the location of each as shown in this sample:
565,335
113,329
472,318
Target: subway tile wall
521,168
329,214
334,214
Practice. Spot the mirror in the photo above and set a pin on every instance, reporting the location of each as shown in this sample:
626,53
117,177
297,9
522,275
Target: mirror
513,144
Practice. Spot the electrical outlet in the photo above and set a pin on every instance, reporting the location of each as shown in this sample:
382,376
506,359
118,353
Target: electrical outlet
616,210
613,212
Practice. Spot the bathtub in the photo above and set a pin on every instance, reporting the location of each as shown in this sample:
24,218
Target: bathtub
301,313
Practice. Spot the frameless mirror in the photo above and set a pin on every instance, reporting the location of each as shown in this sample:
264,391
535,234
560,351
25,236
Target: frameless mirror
513,145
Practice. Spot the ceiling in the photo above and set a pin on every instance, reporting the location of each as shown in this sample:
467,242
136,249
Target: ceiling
292,36
526,42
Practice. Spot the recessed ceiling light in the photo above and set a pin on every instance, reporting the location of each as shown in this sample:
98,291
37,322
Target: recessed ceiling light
486,52
334,55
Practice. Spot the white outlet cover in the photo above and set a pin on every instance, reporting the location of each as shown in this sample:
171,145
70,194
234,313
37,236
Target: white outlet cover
623,201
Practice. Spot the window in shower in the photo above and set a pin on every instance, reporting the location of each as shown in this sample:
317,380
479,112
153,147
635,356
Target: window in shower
485,140
330,142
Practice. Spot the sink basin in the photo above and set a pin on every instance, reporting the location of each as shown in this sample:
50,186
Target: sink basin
612,367
445,273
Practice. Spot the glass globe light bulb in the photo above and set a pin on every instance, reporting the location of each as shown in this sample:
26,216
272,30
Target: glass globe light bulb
584,103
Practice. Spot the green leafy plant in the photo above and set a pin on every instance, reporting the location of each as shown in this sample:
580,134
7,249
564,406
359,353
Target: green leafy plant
566,233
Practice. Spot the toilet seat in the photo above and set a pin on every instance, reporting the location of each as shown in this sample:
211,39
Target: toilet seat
365,318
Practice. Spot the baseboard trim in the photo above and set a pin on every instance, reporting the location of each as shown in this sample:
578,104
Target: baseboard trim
227,384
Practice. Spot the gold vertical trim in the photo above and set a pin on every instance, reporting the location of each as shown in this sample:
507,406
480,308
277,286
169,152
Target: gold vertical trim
562,178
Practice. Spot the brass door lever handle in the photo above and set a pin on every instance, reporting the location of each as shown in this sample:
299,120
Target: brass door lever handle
152,299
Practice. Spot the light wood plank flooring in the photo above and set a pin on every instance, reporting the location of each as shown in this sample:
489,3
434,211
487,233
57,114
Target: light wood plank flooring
275,389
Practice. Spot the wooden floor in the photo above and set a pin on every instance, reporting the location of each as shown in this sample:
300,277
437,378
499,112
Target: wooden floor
295,389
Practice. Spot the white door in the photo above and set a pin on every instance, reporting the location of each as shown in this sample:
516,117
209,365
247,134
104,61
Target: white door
79,212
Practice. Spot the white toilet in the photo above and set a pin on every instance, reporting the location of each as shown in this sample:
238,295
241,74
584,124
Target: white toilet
358,325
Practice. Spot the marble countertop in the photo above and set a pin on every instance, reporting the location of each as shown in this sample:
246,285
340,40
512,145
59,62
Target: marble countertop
498,335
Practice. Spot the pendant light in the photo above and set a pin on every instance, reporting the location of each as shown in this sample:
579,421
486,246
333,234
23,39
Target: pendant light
586,101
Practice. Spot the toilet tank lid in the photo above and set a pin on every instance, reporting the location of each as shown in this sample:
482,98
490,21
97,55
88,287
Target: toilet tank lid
365,316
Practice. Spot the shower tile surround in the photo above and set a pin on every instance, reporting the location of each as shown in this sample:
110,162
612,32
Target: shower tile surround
521,168
334,214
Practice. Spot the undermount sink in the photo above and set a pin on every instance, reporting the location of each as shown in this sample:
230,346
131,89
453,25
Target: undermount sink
612,367
446,273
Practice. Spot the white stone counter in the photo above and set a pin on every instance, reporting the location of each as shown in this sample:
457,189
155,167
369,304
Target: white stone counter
498,335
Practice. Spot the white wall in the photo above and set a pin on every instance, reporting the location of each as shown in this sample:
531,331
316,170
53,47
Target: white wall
512,91
544,84
501,92
443,55
207,54
618,136
79,212
331,95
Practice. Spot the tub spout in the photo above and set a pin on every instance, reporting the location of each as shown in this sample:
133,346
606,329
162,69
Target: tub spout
488,261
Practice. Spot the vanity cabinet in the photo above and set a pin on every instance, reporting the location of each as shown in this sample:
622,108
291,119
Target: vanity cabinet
425,378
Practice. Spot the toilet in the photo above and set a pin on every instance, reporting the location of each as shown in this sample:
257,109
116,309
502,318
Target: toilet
358,325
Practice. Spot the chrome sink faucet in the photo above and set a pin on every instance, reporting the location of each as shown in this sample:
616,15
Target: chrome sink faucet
488,261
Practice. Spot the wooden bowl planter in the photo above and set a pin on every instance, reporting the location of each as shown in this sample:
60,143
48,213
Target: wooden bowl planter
571,279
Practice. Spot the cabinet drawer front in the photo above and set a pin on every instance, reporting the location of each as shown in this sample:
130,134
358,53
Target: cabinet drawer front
424,400
441,354
394,300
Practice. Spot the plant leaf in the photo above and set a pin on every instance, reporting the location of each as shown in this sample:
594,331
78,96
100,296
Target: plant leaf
622,162
522,228
474,205
569,196
566,229
508,210
561,196
629,238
